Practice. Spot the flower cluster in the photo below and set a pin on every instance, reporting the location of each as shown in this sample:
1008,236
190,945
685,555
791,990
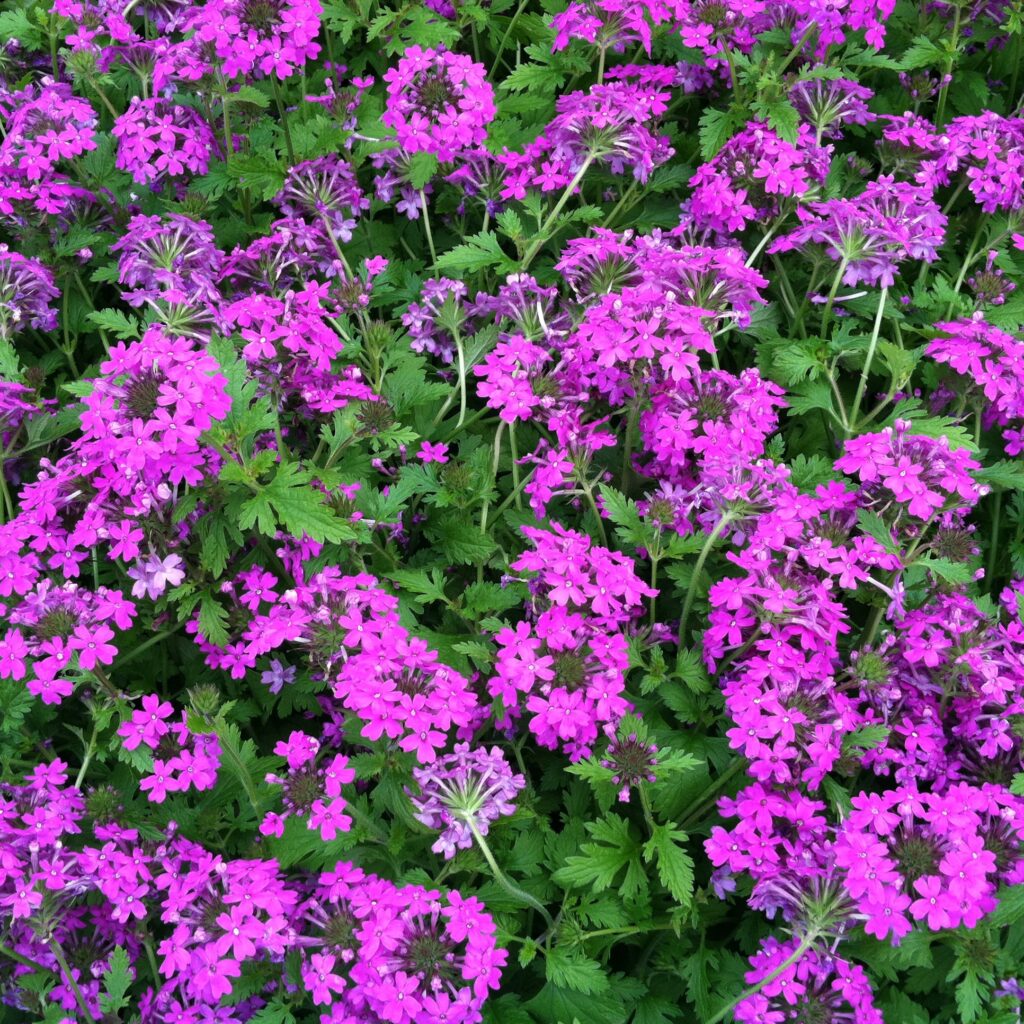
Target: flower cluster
567,447
159,142
463,793
438,102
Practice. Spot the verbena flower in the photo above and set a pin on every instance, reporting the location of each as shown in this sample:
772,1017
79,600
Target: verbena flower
159,142
438,102
27,291
462,793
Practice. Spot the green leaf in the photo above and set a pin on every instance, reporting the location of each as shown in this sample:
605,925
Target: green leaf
781,116
674,762
690,668
598,864
951,572
970,996
865,738
478,252
248,94
460,540
675,865
576,972
275,1012
557,1005
119,324
623,512
921,53
116,981
213,619
422,167
16,25
1003,475
536,79
716,128
291,500
417,581
1011,906
262,174
506,1009
875,526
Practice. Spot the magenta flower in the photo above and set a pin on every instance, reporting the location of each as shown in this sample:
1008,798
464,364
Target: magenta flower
438,102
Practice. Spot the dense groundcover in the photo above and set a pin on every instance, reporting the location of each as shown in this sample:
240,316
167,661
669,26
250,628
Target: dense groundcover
511,512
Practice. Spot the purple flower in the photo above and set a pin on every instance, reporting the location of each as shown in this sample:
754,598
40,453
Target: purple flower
462,793
438,102
153,575
277,675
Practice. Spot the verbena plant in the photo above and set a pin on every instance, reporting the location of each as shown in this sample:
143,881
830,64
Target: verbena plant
511,511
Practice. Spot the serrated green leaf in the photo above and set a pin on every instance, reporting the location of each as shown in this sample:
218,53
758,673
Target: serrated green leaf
951,572
716,127
422,167
865,738
575,972
1003,475
478,252
116,981
921,53
119,324
875,526
291,500
675,865
275,1012
213,618
629,525
599,863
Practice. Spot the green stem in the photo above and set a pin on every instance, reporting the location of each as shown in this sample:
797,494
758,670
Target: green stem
588,491
279,98
240,767
645,806
504,39
66,970
655,558
627,448
145,645
623,199
872,345
553,215
494,475
151,956
994,540
502,879
709,796
836,281
104,681
515,463
10,954
515,493
720,527
798,47
964,267
89,751
461,353
8,503
940,110
426,228
805,944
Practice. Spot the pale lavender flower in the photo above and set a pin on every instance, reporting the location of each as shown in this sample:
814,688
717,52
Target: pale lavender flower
462,793
153,574
277,675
